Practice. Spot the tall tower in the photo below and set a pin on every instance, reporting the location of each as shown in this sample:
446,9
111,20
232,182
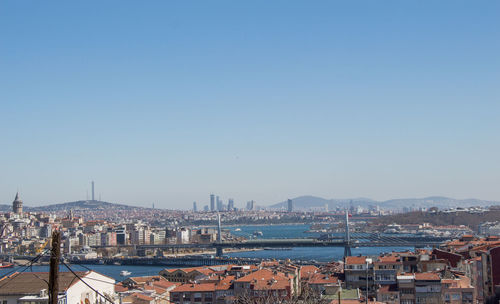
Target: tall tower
17,205
195,208
93,197
218,203
290,205
212,202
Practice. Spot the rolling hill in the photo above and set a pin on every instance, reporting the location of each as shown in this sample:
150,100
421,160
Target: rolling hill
313,202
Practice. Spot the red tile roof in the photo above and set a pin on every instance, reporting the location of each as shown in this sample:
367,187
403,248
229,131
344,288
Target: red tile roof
427,276
204,287
319,278
350,260
307,270
142,296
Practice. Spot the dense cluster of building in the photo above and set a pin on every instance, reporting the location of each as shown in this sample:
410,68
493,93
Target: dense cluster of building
465,270
461,271
84,231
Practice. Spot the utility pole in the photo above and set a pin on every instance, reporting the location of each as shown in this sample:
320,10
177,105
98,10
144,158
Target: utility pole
55,255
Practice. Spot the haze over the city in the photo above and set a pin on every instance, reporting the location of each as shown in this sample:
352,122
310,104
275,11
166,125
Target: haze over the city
167,102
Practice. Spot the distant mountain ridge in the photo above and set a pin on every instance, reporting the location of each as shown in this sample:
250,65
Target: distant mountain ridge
81,205
77,205
308,202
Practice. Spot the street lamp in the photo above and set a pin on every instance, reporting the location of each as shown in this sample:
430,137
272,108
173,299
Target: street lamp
368,262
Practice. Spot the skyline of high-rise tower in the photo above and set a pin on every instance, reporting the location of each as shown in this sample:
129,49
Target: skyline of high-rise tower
212,202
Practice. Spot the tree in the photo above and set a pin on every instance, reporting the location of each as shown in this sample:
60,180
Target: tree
306,296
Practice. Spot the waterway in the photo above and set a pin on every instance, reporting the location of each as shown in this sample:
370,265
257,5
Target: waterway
109,270
319,254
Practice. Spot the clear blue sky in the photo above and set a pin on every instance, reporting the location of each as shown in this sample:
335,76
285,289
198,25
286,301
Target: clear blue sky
167,102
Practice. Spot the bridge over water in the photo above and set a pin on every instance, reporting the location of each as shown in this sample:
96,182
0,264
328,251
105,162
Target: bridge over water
348,240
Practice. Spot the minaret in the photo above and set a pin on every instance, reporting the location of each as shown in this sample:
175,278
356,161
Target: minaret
17,205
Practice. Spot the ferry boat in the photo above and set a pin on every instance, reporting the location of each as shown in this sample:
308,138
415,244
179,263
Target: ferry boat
237,229
125,273
258,233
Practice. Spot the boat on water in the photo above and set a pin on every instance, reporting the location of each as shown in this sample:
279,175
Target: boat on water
237,229
258,233
125,273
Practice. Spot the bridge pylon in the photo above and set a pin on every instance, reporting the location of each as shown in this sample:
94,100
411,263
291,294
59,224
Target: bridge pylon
347,237
218,249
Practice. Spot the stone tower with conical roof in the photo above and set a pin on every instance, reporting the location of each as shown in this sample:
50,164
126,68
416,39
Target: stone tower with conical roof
17,205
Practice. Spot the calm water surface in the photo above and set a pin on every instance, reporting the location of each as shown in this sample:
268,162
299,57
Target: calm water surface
273,231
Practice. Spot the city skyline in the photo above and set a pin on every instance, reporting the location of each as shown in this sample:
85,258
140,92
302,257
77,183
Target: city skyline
166,103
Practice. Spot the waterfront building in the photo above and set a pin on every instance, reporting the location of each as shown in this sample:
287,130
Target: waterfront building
183,236
140,236
186,275
290,205
121,236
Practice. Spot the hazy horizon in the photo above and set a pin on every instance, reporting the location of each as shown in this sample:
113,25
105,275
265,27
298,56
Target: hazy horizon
168,102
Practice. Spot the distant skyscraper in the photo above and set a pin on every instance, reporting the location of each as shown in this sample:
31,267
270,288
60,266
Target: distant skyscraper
212,202
219,204
93,197
17,205
290,205
250,205
205,208
194,207
230,204
326,207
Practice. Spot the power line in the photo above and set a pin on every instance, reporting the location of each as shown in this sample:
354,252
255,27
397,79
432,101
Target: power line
26,266
30,263
74,273
156,294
